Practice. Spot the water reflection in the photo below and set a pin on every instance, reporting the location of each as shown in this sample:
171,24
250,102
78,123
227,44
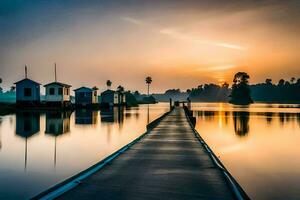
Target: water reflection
57,123
27,125
86,116
241,123
240,119
246,140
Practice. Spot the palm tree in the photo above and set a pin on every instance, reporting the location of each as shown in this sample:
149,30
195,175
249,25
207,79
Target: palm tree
148,82
293,80
108,84
1,90
12,88
120,90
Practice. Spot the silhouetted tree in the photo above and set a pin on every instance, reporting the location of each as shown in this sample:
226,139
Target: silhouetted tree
283,92
225,85
240,89
293,80
120,88
148,82
12,89
108,84
269,81
1,90
281,82
130,99
173,92
210,92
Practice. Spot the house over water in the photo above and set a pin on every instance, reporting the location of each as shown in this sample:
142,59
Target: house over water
112,98
58,94
85,96
27,92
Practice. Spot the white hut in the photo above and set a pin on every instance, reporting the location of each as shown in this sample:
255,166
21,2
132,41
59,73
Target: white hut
58,93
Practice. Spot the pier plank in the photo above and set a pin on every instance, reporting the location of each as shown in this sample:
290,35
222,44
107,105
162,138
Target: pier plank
169,163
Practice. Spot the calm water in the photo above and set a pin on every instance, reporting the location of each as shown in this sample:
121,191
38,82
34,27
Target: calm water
259,145
38,150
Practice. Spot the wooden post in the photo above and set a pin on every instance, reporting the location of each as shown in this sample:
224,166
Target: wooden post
25,71
170,103
189,103
55,72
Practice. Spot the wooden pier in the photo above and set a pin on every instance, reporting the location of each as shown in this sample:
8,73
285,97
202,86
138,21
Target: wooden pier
169,162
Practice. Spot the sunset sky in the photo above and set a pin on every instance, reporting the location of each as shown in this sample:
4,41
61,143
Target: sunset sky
181,44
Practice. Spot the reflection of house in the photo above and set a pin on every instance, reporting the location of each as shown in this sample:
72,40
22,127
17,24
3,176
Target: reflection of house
111,98
58,93
86,116
107,115
86,96
27,92
27,124
112,115
57,123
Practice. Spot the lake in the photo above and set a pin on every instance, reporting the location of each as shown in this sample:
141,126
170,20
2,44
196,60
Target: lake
38,150
259,145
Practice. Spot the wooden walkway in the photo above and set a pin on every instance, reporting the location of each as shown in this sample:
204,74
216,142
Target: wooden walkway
168,163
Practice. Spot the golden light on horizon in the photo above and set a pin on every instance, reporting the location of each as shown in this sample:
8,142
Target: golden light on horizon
184,46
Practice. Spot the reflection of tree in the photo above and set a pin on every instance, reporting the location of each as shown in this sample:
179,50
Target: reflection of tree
226,114
269,117
241,123
281,118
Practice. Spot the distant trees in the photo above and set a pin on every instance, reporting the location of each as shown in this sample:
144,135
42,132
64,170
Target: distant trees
130,99
269,81
148,82
283,92
210,92
173,92
240,93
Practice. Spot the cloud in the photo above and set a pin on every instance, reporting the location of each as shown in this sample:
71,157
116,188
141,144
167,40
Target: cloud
133,20
217,68
177,35
182,36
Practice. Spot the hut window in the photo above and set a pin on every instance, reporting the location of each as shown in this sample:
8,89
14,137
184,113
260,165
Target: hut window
81,94
51,91
27,92
66,91
60,91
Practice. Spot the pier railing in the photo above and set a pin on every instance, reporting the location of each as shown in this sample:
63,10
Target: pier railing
237,190
70,183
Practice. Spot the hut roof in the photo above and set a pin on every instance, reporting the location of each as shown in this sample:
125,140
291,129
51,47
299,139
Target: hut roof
108,91
84,89
27,79
59,84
